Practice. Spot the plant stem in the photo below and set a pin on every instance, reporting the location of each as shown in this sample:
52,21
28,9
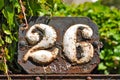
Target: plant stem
6,69
23,11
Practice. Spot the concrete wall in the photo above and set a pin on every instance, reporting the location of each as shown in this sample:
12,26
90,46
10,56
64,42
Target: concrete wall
77,2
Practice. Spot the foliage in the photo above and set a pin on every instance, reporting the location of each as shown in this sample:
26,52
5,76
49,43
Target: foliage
8,32
108,20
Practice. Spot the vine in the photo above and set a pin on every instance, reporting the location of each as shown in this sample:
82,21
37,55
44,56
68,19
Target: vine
23,11
9,10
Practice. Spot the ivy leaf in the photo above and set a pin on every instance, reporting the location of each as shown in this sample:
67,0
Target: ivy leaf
6,54
1,4
7,32
109,64
17,5
117,51
5,29
1,41
116,58
106,72
116,36
2,66
8,39
8,13
42,1
102,66
102,54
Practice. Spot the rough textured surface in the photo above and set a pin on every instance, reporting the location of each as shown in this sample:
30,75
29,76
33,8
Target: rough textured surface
71,44
47,41
61,64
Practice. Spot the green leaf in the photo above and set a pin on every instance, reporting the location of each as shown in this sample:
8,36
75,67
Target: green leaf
106,72
8,39
1,41
8,13
1,4
5,29
7,32
15,36
17,5
117,36
102,54
110,64
102,66
116,58
2,66
117,51
6,54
